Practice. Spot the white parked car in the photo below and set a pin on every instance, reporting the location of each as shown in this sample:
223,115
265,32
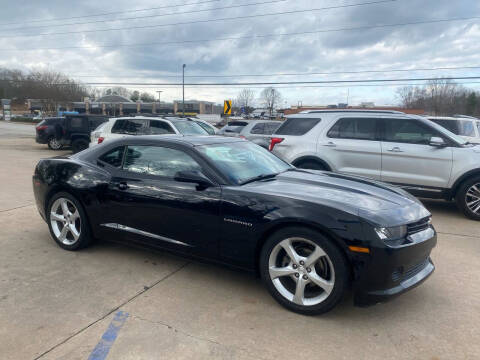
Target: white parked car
464,126
410,151
144,125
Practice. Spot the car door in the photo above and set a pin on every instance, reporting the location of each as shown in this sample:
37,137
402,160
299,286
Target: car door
407,157
352,146
161,211
255,133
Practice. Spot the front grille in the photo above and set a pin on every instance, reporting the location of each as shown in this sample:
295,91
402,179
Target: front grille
418,226
402,274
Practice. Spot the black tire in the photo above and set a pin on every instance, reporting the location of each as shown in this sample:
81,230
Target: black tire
312,165
341,273
79,145
54,144
85,236
462,198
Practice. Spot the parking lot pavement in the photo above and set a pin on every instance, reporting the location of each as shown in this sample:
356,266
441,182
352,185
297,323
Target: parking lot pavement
56,304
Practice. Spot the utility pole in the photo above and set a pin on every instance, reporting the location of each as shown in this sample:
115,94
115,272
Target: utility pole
183,89
159,92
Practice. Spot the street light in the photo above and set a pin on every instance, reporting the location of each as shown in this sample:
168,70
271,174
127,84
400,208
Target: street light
159,92
183,89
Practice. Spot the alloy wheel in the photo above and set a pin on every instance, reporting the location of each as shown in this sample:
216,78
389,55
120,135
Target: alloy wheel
65,221
472,198
54,144
301,271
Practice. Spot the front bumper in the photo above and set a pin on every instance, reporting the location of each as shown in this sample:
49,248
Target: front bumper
391,271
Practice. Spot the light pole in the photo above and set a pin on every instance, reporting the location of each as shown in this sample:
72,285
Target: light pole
159,102
159,92
183,89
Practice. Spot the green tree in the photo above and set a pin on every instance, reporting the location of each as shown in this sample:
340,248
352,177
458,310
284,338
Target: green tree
135,96
471,106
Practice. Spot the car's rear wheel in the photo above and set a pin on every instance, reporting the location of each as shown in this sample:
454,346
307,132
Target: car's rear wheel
304,270
54,144
68,222
468,198
79,145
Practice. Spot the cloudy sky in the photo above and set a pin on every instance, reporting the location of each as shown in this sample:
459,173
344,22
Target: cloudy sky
125,41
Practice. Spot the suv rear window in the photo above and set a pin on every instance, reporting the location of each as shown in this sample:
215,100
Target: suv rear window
297,126
354,128
51,121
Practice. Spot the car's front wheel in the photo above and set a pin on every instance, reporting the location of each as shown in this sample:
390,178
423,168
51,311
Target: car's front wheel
68,222
468,198
304,270
54,144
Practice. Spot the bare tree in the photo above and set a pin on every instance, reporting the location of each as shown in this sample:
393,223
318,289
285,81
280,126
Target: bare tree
245,100
270,98
439,97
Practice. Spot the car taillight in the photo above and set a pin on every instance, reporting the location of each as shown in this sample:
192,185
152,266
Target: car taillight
41,127
100,139
242,137
274,141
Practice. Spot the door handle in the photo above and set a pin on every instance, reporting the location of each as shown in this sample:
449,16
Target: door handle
330,143
395,149
122,185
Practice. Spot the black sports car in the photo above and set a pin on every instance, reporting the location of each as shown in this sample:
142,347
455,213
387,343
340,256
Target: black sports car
308,234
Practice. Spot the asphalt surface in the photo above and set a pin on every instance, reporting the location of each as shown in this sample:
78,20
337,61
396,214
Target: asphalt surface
139,304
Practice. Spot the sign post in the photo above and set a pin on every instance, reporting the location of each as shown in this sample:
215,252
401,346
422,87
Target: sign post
6,111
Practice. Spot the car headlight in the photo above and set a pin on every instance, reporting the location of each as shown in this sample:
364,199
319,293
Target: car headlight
391,233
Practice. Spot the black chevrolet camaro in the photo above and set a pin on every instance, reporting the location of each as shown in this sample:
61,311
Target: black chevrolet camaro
310,235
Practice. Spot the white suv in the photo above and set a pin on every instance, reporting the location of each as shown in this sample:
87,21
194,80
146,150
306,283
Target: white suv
144,125
410,151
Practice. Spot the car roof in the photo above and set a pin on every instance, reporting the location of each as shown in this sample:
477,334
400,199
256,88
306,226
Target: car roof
178,139
360,113
351,111
448,118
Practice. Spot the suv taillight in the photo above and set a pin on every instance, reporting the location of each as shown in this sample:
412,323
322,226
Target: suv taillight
100,139
41,127
274,141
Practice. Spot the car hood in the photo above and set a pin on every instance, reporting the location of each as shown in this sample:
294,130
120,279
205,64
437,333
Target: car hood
377,202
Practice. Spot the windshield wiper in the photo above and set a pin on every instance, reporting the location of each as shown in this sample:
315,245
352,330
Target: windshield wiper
258,177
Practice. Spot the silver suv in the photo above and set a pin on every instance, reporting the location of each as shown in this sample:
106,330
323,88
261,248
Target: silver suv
257,131
410,151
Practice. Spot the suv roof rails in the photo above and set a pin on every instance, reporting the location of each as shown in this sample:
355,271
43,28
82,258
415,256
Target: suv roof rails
351,110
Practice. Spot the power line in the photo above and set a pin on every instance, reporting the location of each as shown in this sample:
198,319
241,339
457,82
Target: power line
287,74
260,36
296,86
157,15
113,12
265,83
201,21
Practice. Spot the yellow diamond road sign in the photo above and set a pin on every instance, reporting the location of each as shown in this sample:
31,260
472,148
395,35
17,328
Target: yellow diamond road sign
227,107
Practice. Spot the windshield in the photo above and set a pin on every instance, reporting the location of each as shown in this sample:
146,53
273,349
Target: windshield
189,128
458,139
243,160
458,127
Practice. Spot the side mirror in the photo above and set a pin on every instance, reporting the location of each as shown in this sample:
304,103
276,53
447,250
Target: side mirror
437,142
195,177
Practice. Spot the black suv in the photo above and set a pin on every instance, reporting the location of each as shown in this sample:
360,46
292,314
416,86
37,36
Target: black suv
71,130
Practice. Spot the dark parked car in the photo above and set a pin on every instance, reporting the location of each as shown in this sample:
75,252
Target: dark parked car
72,130
308,234
49,131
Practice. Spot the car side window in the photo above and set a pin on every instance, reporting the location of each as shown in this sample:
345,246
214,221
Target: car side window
297,126
158,127
129,126
271,127
77,122
158,161
354,128
258,129
113,157
408,131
